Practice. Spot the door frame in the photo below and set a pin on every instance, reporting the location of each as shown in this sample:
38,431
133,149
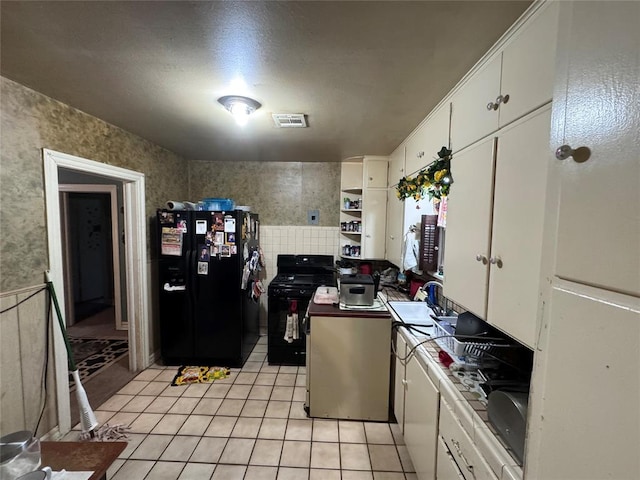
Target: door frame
135,229
115,245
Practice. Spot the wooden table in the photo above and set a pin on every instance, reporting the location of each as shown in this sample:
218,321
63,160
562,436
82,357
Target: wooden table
81,456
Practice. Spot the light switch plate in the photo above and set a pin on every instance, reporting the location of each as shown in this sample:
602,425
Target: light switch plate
313,217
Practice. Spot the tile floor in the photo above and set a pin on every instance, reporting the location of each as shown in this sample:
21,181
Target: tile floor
250,426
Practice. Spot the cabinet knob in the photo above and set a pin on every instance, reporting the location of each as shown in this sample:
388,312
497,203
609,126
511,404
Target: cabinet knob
368,236
580,154
492,106
420,154
392,237
502,99
370,179
497,261
481,258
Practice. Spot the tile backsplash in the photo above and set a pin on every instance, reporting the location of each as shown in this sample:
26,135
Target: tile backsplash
276,240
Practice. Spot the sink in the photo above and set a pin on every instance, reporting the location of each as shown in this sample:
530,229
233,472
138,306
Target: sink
417,313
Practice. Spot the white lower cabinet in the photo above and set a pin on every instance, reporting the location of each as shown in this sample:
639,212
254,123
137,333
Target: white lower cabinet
399,380
461,447
446,466
421,405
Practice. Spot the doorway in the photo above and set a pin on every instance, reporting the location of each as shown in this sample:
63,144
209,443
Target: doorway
134,270
93,250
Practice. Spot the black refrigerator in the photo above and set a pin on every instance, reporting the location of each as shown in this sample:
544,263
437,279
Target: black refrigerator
209,288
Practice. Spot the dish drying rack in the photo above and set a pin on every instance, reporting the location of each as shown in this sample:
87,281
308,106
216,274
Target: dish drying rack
445,328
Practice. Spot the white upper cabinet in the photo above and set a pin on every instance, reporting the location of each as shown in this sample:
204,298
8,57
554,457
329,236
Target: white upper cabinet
375,172
494,228
471,120
528,66
395,226
396,166
469,207
427,140
518,219
351,176
374,215
599,214
513,82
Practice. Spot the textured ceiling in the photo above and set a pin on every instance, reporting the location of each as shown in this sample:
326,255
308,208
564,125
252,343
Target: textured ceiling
364,73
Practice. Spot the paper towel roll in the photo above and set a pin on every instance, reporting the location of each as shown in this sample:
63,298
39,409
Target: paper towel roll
174,205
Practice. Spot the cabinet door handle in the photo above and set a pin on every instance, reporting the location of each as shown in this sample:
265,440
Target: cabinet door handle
492,106
497,261
580,154
370,179
502,99
481,258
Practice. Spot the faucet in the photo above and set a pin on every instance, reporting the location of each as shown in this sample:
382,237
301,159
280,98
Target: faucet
438,310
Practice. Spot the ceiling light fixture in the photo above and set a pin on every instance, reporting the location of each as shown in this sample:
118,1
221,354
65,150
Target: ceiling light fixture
240,107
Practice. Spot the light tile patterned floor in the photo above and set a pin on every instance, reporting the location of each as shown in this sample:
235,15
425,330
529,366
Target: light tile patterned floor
250,426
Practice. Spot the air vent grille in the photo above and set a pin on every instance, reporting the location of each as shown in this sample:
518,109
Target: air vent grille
289,120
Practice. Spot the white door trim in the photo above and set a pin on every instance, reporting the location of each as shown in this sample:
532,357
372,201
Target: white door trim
136,271
115,238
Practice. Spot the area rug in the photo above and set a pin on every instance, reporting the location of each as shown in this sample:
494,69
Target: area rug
188,375
92,355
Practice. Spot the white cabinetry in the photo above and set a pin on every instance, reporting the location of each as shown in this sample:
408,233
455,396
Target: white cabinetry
427,140
395,208
395,224
399,379
362,225
461,447
500,258
446,466
375,172
396,166
374,215
421,419
587,425
514,81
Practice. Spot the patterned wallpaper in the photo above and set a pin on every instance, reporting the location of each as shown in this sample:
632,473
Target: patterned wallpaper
281,193
31,121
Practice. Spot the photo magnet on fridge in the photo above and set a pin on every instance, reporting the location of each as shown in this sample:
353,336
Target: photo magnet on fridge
219,237
171,241
229,224
208,239
218,222
203,268
204,253
166,218
225,250
201,227
182,226
231,238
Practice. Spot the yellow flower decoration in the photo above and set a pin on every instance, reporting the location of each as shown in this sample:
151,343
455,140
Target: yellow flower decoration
428,180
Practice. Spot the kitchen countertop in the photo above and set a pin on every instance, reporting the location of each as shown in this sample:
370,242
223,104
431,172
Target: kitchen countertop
330,310
471,413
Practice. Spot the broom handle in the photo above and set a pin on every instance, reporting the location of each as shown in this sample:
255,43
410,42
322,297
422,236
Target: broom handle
52,292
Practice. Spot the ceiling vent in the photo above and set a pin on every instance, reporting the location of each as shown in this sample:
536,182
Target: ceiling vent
289,120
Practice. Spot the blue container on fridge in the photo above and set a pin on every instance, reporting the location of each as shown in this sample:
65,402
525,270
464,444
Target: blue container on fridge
211,204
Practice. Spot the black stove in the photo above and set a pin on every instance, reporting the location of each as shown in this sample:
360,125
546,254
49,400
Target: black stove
289,293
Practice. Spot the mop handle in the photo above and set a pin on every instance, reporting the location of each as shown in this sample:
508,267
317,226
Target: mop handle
52,292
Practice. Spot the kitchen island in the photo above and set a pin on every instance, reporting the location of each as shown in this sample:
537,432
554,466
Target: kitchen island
348,363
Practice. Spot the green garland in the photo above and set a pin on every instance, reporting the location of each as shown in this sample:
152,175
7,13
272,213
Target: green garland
429,180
